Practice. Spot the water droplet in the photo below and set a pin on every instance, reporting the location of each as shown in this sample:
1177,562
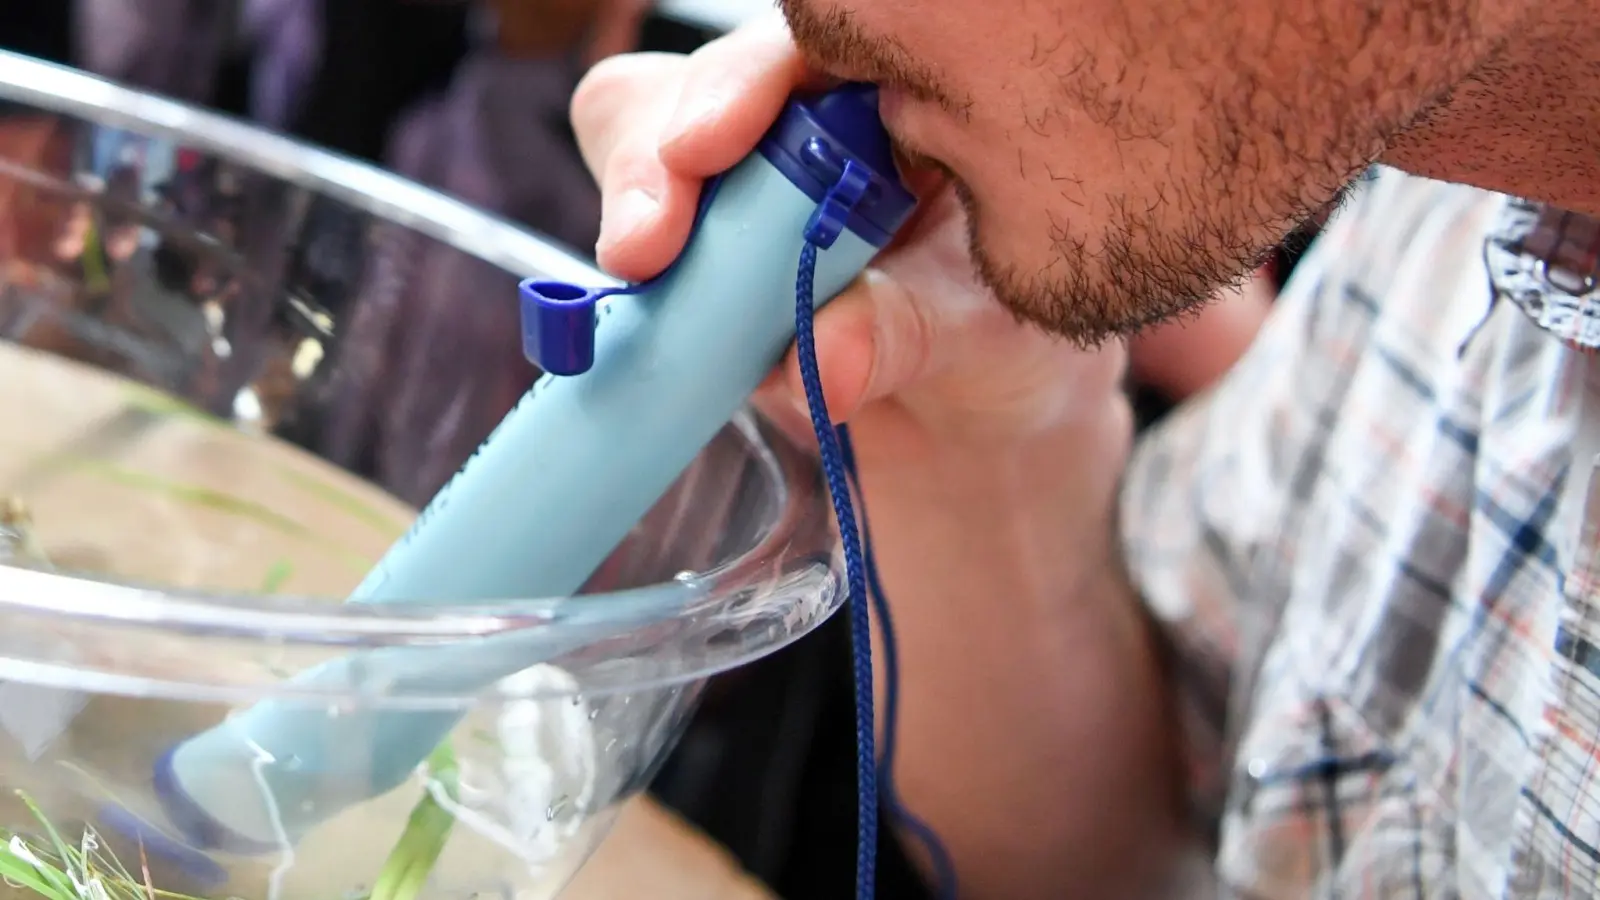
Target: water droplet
557,808
594,714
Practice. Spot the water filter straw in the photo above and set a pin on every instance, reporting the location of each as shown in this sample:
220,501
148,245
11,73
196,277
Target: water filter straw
635,389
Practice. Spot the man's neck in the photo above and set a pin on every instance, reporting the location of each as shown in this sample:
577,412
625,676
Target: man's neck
1528,123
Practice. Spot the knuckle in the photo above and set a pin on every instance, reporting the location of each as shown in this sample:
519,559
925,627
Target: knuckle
614,110
917,335
614,83
633,162
749,49
598,86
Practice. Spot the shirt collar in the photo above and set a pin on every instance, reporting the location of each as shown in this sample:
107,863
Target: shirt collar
1547,261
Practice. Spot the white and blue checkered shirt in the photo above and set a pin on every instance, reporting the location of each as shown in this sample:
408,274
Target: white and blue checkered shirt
1379,564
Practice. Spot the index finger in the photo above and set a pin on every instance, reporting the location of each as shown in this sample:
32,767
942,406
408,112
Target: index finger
733,90
606,102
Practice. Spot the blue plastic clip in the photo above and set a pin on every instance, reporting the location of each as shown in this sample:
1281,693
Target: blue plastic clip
559,318
833,213
558,323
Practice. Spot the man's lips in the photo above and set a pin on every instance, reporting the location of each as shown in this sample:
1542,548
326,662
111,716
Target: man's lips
924,183
891,102
920,178
895,111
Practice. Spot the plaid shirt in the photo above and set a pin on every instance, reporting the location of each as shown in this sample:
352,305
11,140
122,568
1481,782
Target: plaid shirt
1379,565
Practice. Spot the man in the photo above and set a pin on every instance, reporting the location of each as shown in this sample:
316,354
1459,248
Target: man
1332,632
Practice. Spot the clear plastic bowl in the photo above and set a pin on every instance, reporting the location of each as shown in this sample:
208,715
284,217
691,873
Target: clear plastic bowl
185,303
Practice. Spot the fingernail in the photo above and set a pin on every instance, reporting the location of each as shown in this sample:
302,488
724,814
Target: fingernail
874,278
623,217
690,115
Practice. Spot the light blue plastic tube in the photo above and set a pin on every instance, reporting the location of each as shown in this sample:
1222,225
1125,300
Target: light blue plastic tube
552,492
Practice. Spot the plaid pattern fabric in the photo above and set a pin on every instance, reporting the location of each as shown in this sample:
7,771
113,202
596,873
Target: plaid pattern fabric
1371,551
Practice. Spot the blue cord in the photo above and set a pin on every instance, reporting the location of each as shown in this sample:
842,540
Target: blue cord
944,872
861,572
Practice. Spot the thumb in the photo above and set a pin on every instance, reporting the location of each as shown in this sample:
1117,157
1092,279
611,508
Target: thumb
871,341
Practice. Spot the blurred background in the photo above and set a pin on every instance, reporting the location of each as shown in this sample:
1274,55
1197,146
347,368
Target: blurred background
469,97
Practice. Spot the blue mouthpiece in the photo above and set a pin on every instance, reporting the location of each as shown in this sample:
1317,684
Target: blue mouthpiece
816,136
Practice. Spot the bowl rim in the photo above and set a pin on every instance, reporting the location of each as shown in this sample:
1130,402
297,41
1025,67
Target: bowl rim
65,90
792,562
306,621
58,89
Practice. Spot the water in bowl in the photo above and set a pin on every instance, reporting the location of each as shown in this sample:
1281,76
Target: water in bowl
156,261
118,483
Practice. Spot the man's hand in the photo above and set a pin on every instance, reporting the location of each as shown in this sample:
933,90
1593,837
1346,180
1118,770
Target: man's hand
916,338
1033,731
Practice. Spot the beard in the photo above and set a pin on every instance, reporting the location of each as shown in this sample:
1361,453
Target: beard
1143,274
1130,284
1248,140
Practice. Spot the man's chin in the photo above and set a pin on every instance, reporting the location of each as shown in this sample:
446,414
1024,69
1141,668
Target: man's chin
1070,309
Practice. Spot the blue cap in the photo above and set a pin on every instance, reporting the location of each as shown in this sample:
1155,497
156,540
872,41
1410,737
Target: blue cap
558,322
817,135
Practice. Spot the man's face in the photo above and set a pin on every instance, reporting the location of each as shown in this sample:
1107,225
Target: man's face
1120,159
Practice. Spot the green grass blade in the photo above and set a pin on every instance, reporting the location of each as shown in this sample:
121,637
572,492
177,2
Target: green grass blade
64,855
216,501
19,871
93,260
107,859
53,879
281,572
155,403
405,873
346,502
